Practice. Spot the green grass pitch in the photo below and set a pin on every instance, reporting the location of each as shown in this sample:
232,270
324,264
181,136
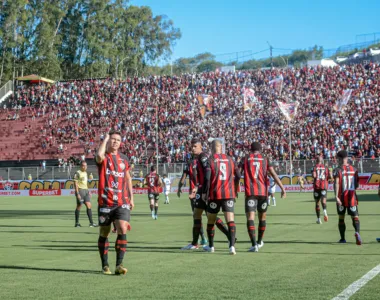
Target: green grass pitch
42,255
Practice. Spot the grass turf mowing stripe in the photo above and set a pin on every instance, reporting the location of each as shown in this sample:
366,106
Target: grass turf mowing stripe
358,284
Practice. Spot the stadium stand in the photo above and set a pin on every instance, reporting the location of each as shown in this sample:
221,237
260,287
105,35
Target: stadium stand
67,118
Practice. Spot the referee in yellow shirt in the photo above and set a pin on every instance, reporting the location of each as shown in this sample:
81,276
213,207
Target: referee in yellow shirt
82,194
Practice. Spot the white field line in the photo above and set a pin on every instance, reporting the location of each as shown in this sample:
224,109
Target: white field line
358,284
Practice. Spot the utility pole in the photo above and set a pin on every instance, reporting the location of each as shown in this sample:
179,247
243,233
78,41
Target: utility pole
271,55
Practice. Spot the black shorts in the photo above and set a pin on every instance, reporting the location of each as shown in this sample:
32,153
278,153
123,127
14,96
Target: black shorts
253,203
351,210
227,205
155,196
84,196
198,202
109,214
319,194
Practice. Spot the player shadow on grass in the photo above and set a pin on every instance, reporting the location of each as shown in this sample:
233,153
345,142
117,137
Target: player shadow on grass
23,213
46,232
46,269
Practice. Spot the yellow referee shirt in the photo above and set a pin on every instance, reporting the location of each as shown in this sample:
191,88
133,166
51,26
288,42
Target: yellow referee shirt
81,179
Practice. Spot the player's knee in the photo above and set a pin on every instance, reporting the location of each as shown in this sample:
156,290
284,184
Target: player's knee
88,205
262,215
79,206
250,215
104,231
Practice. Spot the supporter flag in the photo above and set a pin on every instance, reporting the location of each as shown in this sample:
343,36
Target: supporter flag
205,102
249,99
289,110
342,102
277,83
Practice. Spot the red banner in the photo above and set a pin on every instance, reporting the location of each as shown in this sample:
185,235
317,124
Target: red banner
44,192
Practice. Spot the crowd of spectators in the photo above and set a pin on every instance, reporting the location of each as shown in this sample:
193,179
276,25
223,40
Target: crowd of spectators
89,108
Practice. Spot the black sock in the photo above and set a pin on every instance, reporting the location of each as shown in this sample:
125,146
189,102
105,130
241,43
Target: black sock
196,230
317,210
342,229
210,234
77,212
251,231
120,247
356,223
262,227
232,232
219,223
155,210
89,215
151,207
103,250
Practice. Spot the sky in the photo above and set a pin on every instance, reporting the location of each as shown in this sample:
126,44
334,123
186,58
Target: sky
222,27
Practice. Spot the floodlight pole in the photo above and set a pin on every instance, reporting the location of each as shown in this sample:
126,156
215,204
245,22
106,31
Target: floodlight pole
290,154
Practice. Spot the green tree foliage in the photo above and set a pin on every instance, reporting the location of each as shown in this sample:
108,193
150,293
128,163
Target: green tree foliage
81,38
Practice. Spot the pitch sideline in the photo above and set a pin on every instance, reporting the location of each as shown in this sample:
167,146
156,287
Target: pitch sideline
358,284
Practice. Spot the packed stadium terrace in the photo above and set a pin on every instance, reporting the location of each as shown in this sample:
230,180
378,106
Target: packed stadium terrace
71,116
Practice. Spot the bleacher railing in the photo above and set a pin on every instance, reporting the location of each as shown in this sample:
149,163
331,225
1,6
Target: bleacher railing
6,90
173,170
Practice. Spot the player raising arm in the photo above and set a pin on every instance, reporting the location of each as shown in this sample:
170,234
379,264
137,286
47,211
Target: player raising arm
115,199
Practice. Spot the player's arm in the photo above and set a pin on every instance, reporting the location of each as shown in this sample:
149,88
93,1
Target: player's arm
181,183
277,181
145,182
130,188
336,189
100,156
237,180
76,175
356,180
160,183
207,175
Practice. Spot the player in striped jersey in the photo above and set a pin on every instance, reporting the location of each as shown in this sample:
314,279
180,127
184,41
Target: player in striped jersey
221,192
321,175
115,199
256,168
346,181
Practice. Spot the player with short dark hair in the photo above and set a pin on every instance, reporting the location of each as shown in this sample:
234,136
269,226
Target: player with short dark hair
153,181
346,181
115,199
82,194
256,168
199,177
223,186
321,175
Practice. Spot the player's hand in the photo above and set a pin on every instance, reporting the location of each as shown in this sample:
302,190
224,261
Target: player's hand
338,201
193,193
179,193
78,197
283,194
107,136
132,204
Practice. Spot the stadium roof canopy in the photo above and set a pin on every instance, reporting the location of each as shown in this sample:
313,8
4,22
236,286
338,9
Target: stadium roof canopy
35,79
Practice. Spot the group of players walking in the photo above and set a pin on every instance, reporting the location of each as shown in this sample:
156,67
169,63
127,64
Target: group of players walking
214,183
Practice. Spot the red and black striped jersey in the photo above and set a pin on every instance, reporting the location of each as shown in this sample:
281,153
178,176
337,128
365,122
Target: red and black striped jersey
222,179
321,176
113,186
348,183
153,182
256,168
190,169
202,165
